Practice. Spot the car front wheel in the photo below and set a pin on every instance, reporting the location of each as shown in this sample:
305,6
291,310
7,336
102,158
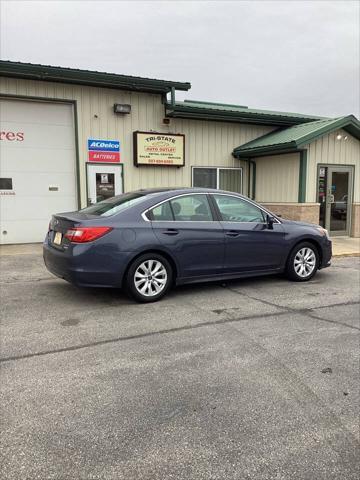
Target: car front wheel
303,262
149,278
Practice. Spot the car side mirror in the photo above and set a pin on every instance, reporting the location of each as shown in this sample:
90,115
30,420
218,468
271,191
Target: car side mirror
270,221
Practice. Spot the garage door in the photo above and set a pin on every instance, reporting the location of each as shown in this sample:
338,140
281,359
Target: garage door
37,167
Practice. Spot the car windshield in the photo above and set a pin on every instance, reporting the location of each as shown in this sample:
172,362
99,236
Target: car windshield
113,205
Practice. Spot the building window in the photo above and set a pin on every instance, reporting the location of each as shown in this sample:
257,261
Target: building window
6,184
216,177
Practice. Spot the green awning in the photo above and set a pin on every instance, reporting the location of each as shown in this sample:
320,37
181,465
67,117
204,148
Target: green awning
76,76
296,137
196,109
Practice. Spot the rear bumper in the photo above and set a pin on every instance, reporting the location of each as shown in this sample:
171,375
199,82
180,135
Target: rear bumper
86,265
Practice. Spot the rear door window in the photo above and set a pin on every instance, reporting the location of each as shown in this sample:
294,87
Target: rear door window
162,213
191,208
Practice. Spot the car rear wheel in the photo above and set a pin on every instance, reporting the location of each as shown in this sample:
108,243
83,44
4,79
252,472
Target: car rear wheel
303,262
149,278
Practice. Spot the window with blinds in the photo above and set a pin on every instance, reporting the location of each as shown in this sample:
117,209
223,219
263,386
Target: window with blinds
218,177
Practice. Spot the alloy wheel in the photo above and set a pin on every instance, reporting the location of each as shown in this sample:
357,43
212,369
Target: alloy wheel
150,278
304,262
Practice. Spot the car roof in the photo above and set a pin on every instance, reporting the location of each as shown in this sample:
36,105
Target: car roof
179,190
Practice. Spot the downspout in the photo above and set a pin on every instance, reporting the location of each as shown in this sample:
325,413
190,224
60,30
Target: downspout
302,176
172,97
253,190
251,164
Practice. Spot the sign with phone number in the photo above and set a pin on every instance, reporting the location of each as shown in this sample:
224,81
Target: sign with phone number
159,149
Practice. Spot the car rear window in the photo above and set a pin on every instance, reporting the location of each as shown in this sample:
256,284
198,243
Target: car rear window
113,205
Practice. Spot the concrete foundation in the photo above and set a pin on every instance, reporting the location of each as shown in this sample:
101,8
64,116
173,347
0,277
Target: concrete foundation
355,220
306,212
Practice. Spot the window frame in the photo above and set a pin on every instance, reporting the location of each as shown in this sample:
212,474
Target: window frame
213,206
193,167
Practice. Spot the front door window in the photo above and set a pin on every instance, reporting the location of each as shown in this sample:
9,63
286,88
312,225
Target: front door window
234,209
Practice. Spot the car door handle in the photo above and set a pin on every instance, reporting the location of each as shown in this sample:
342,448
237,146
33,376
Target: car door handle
232,233
170,231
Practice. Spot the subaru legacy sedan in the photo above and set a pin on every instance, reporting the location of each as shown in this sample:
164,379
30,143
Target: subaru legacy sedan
149,240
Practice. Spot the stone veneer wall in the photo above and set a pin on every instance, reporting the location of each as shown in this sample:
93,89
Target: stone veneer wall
355,220
306,212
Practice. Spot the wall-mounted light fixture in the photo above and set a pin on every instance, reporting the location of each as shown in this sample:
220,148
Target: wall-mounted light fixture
122,108
338,136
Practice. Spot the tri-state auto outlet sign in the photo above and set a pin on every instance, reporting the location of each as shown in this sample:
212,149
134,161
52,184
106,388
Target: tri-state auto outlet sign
159,149
103,151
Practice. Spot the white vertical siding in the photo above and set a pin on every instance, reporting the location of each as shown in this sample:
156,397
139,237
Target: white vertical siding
277,178
329,150
206,143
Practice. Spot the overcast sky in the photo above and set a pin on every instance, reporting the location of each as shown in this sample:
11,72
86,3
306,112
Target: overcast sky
283,55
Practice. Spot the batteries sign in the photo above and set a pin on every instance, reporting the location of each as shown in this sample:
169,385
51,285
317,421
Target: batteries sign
103,151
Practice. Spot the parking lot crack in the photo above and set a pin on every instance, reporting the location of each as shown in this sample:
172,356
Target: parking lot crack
138,336
304,311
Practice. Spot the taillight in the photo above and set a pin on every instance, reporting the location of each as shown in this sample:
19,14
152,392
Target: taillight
86,234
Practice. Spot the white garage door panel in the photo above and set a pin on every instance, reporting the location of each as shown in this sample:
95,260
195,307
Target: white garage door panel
37,184
37,209
30,231
54,136
17,111
44,158
61,161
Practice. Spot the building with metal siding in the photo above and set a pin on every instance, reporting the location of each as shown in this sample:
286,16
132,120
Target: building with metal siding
220,143
316,162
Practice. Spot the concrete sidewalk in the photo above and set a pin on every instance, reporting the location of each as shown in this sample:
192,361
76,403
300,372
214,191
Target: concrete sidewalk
21,249
346,247
342,247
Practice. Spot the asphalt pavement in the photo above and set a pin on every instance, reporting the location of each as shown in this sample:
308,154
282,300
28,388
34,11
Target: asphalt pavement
251,379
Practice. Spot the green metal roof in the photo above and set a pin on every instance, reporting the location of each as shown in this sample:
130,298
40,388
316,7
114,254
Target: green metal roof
295,137
235,113
50,73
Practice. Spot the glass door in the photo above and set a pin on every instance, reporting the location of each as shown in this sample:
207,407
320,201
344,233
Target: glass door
335,198
104,181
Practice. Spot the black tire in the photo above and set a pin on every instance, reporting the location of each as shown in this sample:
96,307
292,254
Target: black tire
299,272
160,279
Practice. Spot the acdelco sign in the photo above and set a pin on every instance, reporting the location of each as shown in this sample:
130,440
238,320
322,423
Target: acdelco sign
103,151
103,145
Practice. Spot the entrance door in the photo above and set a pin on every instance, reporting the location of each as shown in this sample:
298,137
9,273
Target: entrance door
104,181
335,197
